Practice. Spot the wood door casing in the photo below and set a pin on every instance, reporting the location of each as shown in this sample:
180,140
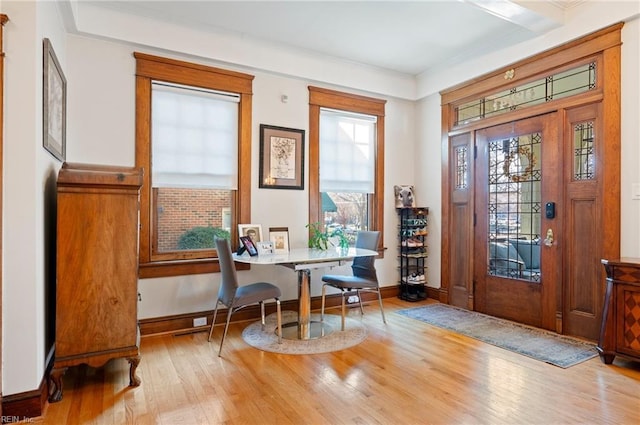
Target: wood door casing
3,20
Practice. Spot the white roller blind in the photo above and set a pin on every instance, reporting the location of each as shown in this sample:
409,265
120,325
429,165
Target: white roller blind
194,138
347,152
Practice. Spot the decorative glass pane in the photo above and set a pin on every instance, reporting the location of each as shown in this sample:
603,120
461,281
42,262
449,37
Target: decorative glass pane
461,167
584,152
514,207
563,84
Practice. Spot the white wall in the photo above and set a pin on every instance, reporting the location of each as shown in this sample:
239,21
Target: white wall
103,93
630,131
29,172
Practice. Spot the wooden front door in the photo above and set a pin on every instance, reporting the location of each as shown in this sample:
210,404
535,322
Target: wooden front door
518,205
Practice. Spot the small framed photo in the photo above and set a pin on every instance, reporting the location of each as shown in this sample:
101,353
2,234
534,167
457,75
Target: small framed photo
281,158
265,247
280,238
54,104
254,231
249,246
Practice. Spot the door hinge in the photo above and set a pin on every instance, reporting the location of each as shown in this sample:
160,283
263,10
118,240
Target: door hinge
474,219
475,151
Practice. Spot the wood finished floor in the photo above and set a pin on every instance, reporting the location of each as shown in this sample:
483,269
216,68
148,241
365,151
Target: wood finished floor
405,372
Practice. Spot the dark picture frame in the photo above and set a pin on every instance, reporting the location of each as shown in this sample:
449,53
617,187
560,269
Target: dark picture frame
54,104
248,244
281,158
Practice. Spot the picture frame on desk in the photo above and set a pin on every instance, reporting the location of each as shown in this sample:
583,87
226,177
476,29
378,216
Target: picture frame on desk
280,238
248,245
254,231
265,247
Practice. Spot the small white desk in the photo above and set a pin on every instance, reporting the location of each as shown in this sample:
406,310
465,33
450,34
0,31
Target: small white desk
303,260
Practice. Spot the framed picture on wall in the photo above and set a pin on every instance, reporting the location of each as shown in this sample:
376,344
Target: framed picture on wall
281,158
54,104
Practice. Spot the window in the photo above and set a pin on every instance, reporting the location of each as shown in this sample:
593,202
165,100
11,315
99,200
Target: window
193,133
346,157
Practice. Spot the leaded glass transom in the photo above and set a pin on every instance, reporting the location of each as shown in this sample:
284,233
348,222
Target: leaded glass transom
556,86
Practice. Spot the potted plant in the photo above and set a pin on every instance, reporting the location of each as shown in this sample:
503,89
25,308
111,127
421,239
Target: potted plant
320,238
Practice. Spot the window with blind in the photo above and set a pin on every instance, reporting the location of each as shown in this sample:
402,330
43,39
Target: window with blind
193,131
347,169
346,161
194,165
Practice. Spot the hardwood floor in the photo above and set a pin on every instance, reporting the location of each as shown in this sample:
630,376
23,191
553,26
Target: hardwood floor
405,372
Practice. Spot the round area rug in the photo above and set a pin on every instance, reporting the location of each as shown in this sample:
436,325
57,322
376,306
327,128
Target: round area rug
267,340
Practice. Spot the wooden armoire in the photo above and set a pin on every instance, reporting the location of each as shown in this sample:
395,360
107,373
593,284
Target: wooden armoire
96,269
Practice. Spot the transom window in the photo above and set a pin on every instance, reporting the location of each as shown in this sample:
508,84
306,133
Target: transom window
558,85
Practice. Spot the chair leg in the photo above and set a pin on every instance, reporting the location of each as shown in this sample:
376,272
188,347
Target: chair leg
262,318
324,291
360,301
344,307
279,316
384,320
213,322
226,327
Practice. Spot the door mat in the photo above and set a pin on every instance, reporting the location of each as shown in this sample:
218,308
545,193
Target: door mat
536,343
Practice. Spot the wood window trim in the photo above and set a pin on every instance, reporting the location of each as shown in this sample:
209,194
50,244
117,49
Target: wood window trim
149,68
325,98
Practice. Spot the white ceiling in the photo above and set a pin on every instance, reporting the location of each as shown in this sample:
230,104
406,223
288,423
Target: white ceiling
403,36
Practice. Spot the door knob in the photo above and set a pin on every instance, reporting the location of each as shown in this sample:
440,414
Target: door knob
548,241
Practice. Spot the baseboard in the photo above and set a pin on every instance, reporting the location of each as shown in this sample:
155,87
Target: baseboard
29,404
183,323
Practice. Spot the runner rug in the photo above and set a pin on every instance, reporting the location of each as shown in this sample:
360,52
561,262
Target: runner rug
536,343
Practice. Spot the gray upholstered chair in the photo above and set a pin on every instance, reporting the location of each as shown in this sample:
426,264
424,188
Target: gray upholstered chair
364,277
235,297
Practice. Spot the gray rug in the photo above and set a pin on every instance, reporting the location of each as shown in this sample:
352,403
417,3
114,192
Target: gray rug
354,333
536,343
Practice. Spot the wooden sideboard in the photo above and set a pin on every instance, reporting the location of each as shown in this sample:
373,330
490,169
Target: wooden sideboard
96,269
620,331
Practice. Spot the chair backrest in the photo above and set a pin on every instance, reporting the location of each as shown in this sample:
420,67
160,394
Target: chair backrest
229,280
364,267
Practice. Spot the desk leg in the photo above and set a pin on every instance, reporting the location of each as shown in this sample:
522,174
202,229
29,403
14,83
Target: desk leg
304,304
305,328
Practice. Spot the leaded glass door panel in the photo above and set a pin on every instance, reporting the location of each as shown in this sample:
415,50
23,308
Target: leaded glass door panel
516,265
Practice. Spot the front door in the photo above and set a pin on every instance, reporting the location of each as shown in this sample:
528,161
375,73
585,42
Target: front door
518,197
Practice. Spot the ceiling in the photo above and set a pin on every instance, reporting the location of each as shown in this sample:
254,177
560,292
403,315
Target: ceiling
409,37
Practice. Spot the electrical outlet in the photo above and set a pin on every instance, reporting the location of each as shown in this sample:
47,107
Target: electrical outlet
352,299
200,321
